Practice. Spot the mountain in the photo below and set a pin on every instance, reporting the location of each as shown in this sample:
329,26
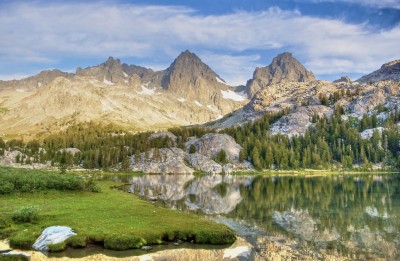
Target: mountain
304,100
190,77
283,69
388,71
188,92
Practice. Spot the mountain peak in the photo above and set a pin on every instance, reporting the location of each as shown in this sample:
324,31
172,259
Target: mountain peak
187,57
284,68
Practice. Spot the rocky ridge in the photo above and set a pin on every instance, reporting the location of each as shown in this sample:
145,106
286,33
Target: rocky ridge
131,96
388,71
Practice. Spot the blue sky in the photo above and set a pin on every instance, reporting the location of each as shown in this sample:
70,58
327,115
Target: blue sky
330,37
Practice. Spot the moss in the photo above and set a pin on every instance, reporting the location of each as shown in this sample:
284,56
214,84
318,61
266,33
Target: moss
24,239
59,247
13,258
78,241
123,242
209,237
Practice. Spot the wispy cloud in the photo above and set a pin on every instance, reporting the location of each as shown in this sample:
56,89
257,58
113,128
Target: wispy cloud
374,3
45,33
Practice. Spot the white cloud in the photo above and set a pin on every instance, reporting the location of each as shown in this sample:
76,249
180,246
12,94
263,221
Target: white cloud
373,3
38,33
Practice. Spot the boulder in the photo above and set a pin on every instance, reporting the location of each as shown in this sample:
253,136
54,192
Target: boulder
210,144
164,134
52,235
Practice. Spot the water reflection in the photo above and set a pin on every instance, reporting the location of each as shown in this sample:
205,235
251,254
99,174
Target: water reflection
344,213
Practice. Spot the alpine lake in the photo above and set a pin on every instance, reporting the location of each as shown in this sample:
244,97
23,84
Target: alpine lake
355,216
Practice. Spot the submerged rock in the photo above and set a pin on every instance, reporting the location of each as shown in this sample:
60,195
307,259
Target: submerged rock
52,235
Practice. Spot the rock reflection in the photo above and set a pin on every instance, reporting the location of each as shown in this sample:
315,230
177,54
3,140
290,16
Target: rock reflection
347,214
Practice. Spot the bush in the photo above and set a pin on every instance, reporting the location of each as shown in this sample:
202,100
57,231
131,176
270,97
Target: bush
20,180
91,186
59,247
78,241
6,188
123,242
28,214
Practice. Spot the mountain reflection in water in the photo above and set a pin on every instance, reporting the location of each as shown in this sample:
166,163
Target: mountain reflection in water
348,214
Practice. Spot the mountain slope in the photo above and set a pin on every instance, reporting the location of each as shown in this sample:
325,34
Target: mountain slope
127,95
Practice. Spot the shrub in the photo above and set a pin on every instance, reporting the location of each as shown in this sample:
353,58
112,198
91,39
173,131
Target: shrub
57,247
6,188
90,185
123,242
28,214
78,241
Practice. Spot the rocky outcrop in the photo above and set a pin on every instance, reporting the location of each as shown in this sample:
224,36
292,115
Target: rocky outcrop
283,69
297,122
175,160
52,235
388,71
211,144
163,161
71,151
343,79
165,135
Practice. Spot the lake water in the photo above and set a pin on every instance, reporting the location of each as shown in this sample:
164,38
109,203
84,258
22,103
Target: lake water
357,216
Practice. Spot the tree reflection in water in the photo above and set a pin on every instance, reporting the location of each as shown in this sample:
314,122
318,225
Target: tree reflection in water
357,213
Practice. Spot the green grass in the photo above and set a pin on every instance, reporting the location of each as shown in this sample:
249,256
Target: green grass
101,216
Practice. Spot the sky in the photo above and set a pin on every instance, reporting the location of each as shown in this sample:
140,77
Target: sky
330,37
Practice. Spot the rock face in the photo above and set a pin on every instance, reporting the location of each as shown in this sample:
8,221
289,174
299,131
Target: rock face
174,160
210,144
52,235
284,68
297,123
388,71
163,161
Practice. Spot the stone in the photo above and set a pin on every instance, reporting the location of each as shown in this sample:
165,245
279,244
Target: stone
146,248
52,235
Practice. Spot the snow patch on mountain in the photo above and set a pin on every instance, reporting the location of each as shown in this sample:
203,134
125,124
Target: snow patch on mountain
235,96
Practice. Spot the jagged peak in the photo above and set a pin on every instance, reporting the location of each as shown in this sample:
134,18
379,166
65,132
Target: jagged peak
111,61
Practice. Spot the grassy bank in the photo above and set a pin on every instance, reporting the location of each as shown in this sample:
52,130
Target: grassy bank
112,218
307,172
